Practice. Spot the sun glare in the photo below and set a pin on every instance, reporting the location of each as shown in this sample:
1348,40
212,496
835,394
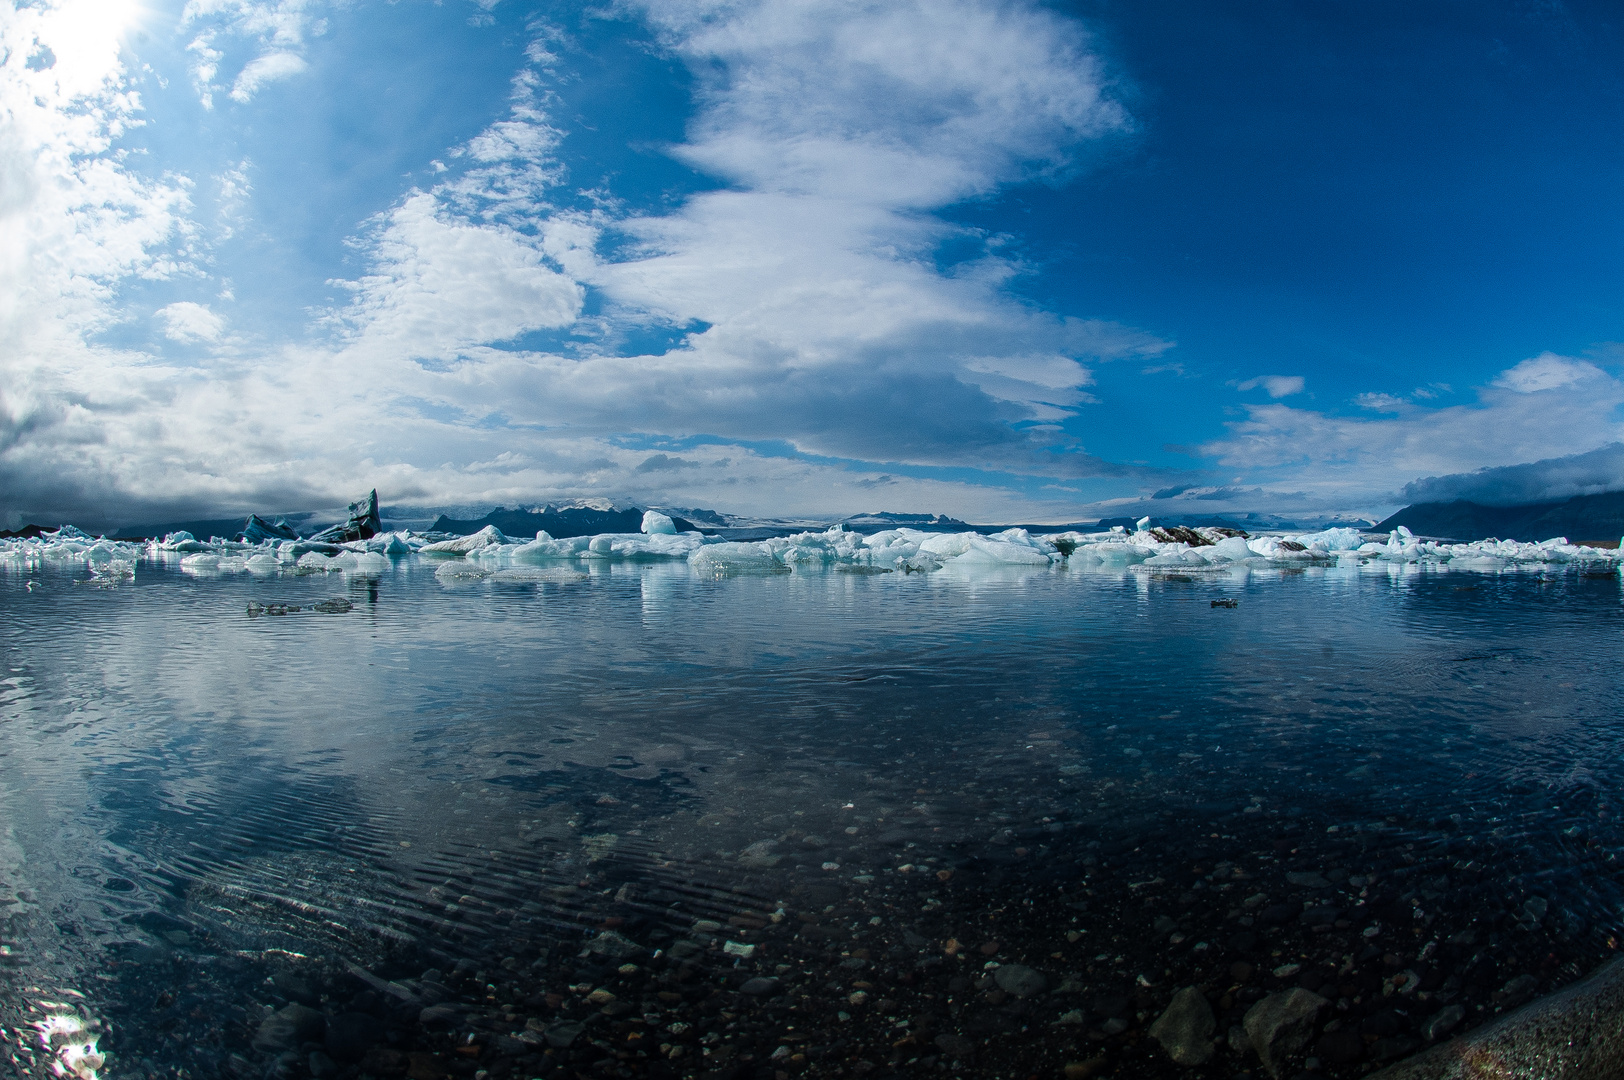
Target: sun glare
81,39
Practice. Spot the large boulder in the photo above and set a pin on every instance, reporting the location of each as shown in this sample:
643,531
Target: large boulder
1185,1029
1282,1024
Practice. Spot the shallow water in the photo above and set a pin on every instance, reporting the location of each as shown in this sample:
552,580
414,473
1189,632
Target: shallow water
874,788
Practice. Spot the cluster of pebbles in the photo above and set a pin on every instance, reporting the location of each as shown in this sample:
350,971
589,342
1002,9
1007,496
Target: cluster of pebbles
1264,942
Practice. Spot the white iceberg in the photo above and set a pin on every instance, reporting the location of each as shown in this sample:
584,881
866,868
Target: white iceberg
464,545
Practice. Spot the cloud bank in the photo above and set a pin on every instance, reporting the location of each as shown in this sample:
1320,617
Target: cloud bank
1549,480
806,331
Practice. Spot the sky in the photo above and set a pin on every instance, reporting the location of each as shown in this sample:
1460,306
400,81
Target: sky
1001,260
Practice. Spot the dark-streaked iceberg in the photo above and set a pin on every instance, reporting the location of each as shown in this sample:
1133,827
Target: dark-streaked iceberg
362,524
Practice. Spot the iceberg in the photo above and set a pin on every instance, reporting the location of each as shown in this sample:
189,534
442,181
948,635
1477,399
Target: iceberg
257,530
656,523
464,545
362,524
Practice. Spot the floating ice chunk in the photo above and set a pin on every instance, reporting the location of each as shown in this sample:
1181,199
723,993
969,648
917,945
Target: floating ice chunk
357,562
263,563
1339,539
461,572
544,547
657,523
520,575
463,545
1187,558
200,562
733,555
1233,548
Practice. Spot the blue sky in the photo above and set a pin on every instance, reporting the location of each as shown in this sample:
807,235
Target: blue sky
997,260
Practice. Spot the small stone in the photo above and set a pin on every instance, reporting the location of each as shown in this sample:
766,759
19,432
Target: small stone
1185,1029
956,1045
760,986
1307,880
1442,1022
1165,925
615,946
322,1066
286,1028
759,855
600,996
858,997
735,948
439,1016
1520,987
294,988
385,1061
1282,1024
424,1066
1020,980
563,1033
989,948
350,1034
1082,1070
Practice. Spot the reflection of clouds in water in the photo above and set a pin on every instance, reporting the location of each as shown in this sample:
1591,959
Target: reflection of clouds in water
506,733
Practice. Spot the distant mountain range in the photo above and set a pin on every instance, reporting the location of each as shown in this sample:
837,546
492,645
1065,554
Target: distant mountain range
1583,517
556,522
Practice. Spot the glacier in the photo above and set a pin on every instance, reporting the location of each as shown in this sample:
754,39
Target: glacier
489,553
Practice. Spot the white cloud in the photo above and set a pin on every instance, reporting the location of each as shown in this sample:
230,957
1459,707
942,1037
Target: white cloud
1546,407
443,285
265,69
276,29
74,225
1547,371
820,314
1277,386
1537,481
188,322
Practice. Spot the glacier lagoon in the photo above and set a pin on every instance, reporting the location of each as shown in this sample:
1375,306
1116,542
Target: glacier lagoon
398,814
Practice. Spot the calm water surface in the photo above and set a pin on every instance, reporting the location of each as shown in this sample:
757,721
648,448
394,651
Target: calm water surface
438,821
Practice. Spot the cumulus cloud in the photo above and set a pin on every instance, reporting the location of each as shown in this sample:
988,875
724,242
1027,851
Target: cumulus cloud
188,322
1277,386
1549,480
